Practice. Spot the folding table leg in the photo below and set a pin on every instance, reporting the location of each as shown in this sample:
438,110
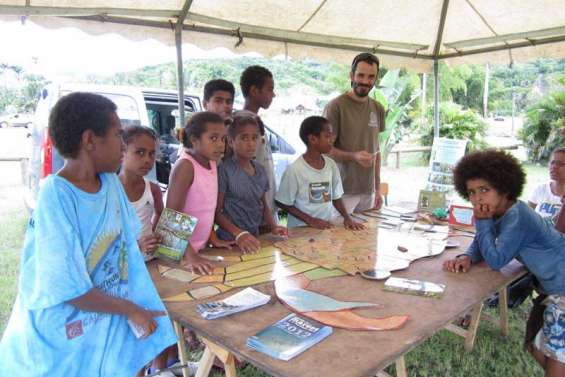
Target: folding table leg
212,351
473,327
400,369
503,310
183,353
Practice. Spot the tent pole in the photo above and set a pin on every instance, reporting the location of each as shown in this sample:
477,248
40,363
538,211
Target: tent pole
180,71
180,75
436,98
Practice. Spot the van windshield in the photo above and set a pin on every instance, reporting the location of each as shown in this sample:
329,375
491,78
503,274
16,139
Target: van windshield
128,111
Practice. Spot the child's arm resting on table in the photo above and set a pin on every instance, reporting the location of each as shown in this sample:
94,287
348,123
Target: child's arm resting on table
309,220
181,179
496,254
348,222
194,262
245,240
96,301
268,218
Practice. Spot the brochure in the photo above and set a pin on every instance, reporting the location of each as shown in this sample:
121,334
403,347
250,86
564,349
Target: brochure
416,287
428,201
175,229
289,337
247,299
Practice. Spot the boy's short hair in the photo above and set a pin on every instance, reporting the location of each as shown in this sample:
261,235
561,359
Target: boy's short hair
313,125
75,113
500,169
240,119
213,86
131,132
197,125
253,75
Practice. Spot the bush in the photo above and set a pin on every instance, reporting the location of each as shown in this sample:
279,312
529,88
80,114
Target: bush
455,123
544,120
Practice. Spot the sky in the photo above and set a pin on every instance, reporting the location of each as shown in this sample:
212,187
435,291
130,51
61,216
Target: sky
64,54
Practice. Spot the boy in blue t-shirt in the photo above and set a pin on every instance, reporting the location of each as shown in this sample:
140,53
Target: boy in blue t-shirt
83,284
311,186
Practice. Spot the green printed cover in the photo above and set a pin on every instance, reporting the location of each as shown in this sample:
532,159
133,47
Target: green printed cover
288,337
175,229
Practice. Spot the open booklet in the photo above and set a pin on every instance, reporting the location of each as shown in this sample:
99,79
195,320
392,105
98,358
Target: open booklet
175,229
247,299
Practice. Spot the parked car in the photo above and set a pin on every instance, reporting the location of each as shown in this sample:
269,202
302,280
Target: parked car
16,120
153,108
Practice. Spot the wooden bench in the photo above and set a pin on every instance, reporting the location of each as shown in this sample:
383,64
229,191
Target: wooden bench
398,150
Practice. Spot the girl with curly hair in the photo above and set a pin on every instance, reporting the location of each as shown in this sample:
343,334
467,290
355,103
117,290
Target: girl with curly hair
507,228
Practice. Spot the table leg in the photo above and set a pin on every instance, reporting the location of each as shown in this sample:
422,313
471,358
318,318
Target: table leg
400,369
183,353
503,310
206,363
212,351
473,327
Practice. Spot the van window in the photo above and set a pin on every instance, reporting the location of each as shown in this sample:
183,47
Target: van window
128,111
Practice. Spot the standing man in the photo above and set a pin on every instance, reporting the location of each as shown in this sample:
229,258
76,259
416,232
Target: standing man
357,120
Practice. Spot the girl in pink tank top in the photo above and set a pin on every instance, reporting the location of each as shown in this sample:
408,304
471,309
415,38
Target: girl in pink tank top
193,184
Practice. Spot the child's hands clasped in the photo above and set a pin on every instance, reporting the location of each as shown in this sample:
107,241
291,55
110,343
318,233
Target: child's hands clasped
483,211
143,318
461,263
247,243
353,225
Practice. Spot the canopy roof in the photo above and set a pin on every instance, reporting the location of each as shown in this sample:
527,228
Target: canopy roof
403,33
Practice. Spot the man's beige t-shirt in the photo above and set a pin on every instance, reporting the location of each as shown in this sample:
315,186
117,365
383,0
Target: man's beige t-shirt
356,126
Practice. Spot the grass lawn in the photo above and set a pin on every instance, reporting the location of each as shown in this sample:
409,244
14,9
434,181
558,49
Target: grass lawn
441,355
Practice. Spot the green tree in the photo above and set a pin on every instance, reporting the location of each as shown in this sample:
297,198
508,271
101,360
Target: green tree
542,128
456,123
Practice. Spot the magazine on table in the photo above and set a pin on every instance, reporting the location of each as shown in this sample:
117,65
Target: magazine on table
289,337
175,229
247,299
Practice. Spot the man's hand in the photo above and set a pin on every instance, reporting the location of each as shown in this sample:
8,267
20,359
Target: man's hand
364,158
461,263
483,211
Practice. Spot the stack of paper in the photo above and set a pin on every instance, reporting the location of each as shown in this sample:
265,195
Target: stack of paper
247,299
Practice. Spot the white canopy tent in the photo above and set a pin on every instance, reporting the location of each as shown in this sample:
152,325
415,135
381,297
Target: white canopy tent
414,34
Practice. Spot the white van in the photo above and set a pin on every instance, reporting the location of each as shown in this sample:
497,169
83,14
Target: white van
153,108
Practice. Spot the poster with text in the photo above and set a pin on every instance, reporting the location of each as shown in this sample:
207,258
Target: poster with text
445,155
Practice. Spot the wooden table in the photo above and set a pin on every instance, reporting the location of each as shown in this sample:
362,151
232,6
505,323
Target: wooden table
350,353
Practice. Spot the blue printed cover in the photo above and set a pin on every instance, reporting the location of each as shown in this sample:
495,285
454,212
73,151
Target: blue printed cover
288,337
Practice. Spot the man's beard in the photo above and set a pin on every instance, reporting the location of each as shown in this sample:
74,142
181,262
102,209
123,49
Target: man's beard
357,87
